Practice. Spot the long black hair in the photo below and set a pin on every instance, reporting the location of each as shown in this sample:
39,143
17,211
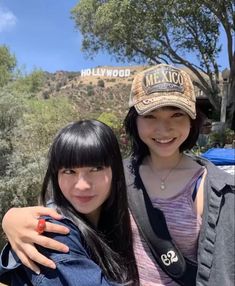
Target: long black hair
90,143
139,149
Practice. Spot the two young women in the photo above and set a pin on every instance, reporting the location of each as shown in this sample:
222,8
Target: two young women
197,198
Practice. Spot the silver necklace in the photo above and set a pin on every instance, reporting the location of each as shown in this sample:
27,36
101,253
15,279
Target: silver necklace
163,179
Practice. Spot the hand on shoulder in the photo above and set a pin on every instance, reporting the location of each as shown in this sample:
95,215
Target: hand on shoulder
22,235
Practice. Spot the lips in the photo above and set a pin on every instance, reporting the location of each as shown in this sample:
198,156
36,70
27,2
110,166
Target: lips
84,199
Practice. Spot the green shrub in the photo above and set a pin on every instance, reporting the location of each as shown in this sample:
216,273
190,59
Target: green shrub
100,83
90,90
116,124
220,138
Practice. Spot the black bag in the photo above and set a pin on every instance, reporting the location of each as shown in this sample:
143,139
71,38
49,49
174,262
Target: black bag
152,224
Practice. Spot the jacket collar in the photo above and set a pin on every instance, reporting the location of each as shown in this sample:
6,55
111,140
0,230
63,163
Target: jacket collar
218,178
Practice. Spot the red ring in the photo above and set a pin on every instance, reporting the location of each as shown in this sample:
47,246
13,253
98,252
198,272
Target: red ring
41,226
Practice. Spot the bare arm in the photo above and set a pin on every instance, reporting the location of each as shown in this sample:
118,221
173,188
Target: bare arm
19,224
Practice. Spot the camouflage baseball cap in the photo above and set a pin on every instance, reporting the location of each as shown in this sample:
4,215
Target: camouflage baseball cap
163,85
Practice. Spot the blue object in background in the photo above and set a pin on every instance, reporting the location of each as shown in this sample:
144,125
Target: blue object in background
220,156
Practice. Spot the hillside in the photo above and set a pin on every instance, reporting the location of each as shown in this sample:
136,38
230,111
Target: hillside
101,89
94,93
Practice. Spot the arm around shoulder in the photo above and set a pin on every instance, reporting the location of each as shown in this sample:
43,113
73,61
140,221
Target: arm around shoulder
73,268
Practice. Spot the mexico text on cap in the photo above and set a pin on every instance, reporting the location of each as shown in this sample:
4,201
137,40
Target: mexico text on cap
163,85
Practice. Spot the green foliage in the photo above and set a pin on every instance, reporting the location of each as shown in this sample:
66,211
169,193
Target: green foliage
110,119
150,30
90,90
26,131
31,83
100,83
40,123
11,110
116,124
35,81
111,79
222,137
7,65
214,139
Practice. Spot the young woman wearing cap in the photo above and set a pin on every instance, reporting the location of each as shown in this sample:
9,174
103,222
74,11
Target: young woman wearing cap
196,198
85,183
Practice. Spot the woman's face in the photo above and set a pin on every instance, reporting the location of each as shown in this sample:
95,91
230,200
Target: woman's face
86,188
164,130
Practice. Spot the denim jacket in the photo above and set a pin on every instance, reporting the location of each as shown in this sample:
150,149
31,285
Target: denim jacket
72,268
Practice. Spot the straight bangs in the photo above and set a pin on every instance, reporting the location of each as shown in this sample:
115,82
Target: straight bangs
78,147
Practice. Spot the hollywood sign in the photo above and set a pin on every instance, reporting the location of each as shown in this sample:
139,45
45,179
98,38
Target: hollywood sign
106,72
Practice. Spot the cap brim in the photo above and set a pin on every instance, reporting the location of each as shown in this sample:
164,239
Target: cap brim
152,103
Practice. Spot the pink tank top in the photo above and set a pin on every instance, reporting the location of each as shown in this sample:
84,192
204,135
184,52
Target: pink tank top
184,226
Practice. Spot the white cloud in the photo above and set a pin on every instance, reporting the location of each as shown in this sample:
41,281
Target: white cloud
7,19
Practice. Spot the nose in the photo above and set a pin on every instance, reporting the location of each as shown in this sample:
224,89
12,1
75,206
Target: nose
163,126
82,182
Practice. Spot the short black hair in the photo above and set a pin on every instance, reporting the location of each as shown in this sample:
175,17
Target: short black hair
139,149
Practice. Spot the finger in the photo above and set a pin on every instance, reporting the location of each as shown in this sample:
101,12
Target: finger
40,259
29,255
56,228
40,211
51,244
28,262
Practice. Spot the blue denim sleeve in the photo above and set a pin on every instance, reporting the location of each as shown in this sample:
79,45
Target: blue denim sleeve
8,261
73,268
72,271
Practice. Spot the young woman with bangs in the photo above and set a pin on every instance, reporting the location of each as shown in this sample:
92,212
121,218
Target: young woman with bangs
85,183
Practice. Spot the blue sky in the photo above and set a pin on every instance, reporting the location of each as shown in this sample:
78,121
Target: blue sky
42,35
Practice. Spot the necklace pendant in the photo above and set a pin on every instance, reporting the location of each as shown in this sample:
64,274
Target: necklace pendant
162,186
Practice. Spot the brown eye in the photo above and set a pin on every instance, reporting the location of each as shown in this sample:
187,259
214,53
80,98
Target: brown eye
148,116
178,114
68,171
97,169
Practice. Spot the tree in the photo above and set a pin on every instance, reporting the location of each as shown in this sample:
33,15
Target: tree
11,110
29,83
7,65
27,126
162,31
100,83
117,125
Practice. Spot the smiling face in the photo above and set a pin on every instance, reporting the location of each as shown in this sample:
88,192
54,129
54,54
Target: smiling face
164,130
86,188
